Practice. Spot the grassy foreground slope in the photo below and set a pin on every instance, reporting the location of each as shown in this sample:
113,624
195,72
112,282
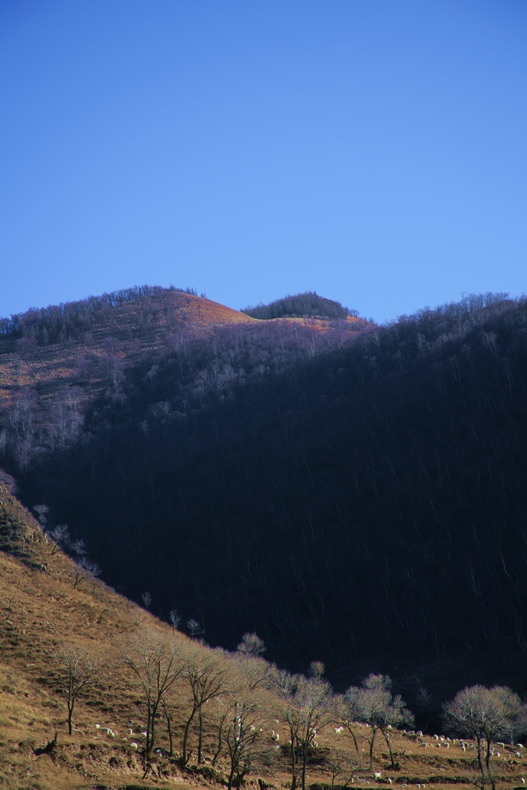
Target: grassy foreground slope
42,612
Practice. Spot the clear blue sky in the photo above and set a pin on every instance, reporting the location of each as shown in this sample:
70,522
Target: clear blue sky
372,150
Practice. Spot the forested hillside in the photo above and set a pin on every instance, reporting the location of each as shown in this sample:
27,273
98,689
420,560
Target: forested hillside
365,504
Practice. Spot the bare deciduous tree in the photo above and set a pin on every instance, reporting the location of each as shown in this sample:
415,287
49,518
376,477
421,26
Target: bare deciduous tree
251,645
195,630
346,714
241,736
207,680
42,512
61,536
308,709
374,704
175,618
256,671
341,769
485,714
157,662
146,598
65,418
222,714
317,670
76,671
84,570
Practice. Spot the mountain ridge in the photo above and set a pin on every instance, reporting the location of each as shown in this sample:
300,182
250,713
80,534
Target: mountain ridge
45,383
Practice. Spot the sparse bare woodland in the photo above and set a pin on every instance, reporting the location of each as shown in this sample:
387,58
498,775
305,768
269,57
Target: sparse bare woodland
156,662
486,715
207,680
308,709
375,704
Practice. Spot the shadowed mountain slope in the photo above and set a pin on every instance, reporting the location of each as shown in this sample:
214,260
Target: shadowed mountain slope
45,616
365,505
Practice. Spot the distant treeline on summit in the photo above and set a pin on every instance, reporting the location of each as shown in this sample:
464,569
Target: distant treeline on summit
70,320
306,304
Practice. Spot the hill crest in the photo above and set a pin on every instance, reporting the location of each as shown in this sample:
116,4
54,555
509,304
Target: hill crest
302,305
55,362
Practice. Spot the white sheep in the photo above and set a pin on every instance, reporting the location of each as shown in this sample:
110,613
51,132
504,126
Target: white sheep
338,730
108,731
134,745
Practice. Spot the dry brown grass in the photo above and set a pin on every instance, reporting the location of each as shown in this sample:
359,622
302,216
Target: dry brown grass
41,612
323,324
